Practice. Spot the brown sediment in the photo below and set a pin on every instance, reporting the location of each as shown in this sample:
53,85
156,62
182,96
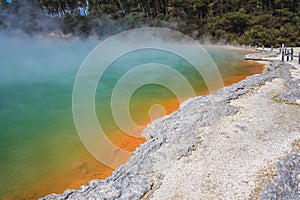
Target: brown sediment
81,172
256,68
73,176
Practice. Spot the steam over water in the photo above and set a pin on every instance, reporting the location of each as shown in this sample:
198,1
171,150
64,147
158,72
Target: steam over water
40,151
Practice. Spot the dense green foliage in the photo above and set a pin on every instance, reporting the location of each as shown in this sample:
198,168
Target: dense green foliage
255,22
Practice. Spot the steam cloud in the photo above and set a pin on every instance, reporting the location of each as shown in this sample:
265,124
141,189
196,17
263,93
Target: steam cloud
26,17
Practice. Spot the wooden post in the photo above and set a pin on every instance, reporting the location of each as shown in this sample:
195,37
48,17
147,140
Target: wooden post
282,52
288,55
271,48
299,58
292,54
285,50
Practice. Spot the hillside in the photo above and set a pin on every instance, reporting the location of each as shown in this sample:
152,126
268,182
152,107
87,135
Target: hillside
263,22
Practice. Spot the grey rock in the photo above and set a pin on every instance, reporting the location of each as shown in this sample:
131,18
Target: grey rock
286,185
265,55
170,138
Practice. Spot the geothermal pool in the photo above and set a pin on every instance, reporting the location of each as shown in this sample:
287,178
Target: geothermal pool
40,150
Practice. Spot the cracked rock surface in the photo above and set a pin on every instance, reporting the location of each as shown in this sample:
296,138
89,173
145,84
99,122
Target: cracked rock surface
287,184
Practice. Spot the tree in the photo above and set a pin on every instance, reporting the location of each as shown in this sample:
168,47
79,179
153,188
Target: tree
200,7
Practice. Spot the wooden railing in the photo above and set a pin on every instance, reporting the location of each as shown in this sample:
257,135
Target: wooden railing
287,53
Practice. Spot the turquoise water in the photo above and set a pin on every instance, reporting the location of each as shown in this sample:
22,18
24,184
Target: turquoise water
147,94
38,139
36,125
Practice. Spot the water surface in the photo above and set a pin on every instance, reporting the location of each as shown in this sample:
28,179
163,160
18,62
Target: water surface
40,150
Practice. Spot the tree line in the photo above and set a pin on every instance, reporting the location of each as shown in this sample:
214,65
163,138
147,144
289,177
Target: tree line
255,22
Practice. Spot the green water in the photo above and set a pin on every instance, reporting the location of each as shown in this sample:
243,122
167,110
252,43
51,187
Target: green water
37,132
36,126
147,94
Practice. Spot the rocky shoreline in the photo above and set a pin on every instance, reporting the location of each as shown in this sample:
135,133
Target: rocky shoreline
216,146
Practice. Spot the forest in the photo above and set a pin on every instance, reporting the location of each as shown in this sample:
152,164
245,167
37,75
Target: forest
254,22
